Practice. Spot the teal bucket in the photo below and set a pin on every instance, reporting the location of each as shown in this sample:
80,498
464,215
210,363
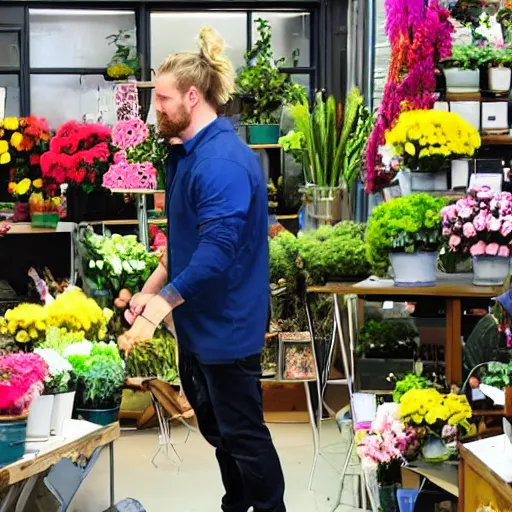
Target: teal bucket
98,416
263,134
12,441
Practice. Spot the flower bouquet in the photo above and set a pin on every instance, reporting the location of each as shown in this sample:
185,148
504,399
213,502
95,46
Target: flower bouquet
21,381
140,160
440,421
480,224
25,323
424,140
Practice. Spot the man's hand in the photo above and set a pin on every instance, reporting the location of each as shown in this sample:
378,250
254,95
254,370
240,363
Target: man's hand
142,330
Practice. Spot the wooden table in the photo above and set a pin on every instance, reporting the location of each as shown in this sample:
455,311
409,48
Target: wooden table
485,474
52,452
450,287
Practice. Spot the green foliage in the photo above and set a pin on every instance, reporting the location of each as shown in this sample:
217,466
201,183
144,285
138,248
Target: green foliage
498,375
500,57
337,251
295,144
58,339
154,358
99,383
333,144
61,383
404,224
387,339
469,56
283,251
410,381
261,85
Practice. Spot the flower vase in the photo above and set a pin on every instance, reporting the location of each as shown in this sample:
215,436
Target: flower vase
21,212
40,418
387,498
490,270
418,269
62,411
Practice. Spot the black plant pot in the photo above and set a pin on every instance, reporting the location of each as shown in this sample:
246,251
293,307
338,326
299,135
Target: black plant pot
94,206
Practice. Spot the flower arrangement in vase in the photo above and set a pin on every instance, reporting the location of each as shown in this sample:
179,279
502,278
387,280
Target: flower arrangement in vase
140,160
21,381
481,224
407,231
79,155
423,141
439,420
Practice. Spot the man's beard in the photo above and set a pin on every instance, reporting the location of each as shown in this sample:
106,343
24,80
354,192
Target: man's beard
170,128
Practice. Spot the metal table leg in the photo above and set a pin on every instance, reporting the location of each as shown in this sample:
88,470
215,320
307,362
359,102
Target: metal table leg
112,475
316,434
142,217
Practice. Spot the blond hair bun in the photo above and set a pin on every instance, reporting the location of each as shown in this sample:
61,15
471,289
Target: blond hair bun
211,44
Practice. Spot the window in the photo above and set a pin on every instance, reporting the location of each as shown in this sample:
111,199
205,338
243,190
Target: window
10,72
11,84
72,86
177,31
382,54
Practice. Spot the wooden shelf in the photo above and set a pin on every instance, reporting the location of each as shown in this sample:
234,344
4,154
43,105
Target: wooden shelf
496,140
25,228
265,146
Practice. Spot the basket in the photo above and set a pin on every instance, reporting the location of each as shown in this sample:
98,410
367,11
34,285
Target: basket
45,220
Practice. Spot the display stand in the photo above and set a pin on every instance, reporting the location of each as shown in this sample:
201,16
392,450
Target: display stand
142,211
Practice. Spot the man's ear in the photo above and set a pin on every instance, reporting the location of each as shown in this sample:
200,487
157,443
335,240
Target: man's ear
193,96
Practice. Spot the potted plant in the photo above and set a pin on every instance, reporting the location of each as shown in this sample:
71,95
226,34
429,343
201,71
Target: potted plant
421,143
263,89
407,231
124,62
500,74
332,145
462,69
21,381
100,376
479,224
48,414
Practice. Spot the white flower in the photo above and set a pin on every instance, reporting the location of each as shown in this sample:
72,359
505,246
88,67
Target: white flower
116,264
57,365
78,349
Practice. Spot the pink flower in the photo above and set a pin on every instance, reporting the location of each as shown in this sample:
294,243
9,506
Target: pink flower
506,228
504,251
469,230
485,194
478,249
493,205
457,226
480,221
119,157
492,249
129,133
449,213
493,224
454,241
447,231
466,212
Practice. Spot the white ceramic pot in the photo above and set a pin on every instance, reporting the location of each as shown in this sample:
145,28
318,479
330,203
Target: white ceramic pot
40,418
490,270
417,269
62,411
429,181
462,80
469,111
460,173
499,79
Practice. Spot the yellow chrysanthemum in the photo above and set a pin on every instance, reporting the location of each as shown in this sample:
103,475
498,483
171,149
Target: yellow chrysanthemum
11,123
16,140
38,183
22,337
5,158
4,147
410,149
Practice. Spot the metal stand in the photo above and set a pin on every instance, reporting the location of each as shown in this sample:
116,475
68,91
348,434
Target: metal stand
142,218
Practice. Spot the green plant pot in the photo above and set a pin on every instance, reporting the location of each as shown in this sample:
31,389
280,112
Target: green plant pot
12,440
263,133
387,497
98,416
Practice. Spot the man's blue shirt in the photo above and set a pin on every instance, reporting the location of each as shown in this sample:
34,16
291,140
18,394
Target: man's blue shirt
217,245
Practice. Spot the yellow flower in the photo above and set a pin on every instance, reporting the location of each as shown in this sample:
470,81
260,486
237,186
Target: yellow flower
22,337
23,187
5,158
16,140
410,149
11,123
4,147
38,183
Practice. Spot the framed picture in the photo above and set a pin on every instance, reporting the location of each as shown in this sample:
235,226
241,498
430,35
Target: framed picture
296,359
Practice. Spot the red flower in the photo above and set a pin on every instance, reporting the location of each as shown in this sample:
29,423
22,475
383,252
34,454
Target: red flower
35,159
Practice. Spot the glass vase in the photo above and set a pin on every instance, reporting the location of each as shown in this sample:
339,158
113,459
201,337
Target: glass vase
490,270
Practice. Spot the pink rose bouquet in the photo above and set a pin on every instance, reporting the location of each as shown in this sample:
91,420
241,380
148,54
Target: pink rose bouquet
480,223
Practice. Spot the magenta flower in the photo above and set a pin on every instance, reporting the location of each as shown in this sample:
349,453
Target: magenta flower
468,230
504,251
478,249
480,221
449,213
129,133
493,224
492,249
506,228
119,157
485,194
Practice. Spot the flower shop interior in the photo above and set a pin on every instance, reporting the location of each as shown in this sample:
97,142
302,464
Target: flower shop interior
383,130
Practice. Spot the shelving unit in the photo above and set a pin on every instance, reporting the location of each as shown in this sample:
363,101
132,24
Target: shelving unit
496,140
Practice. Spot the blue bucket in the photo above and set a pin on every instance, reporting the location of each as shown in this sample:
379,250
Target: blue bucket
12,441
98,416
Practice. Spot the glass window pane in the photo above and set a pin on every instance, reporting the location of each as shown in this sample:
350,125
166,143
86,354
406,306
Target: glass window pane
290,36
304,80
177,31
61,98
382,53
9,49
12,95
73,38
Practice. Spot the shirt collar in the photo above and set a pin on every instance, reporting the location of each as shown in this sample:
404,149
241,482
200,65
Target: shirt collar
209,130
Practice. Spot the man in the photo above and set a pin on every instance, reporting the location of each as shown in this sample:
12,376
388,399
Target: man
218,273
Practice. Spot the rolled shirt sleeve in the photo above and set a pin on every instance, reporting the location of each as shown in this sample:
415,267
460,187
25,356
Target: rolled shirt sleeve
222,192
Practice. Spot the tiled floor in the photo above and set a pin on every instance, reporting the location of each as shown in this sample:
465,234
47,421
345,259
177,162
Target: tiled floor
194,485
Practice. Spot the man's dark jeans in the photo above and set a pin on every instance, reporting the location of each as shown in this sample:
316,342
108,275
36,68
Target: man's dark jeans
227,401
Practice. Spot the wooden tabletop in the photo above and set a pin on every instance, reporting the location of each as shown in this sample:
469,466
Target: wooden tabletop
448,286
68,448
